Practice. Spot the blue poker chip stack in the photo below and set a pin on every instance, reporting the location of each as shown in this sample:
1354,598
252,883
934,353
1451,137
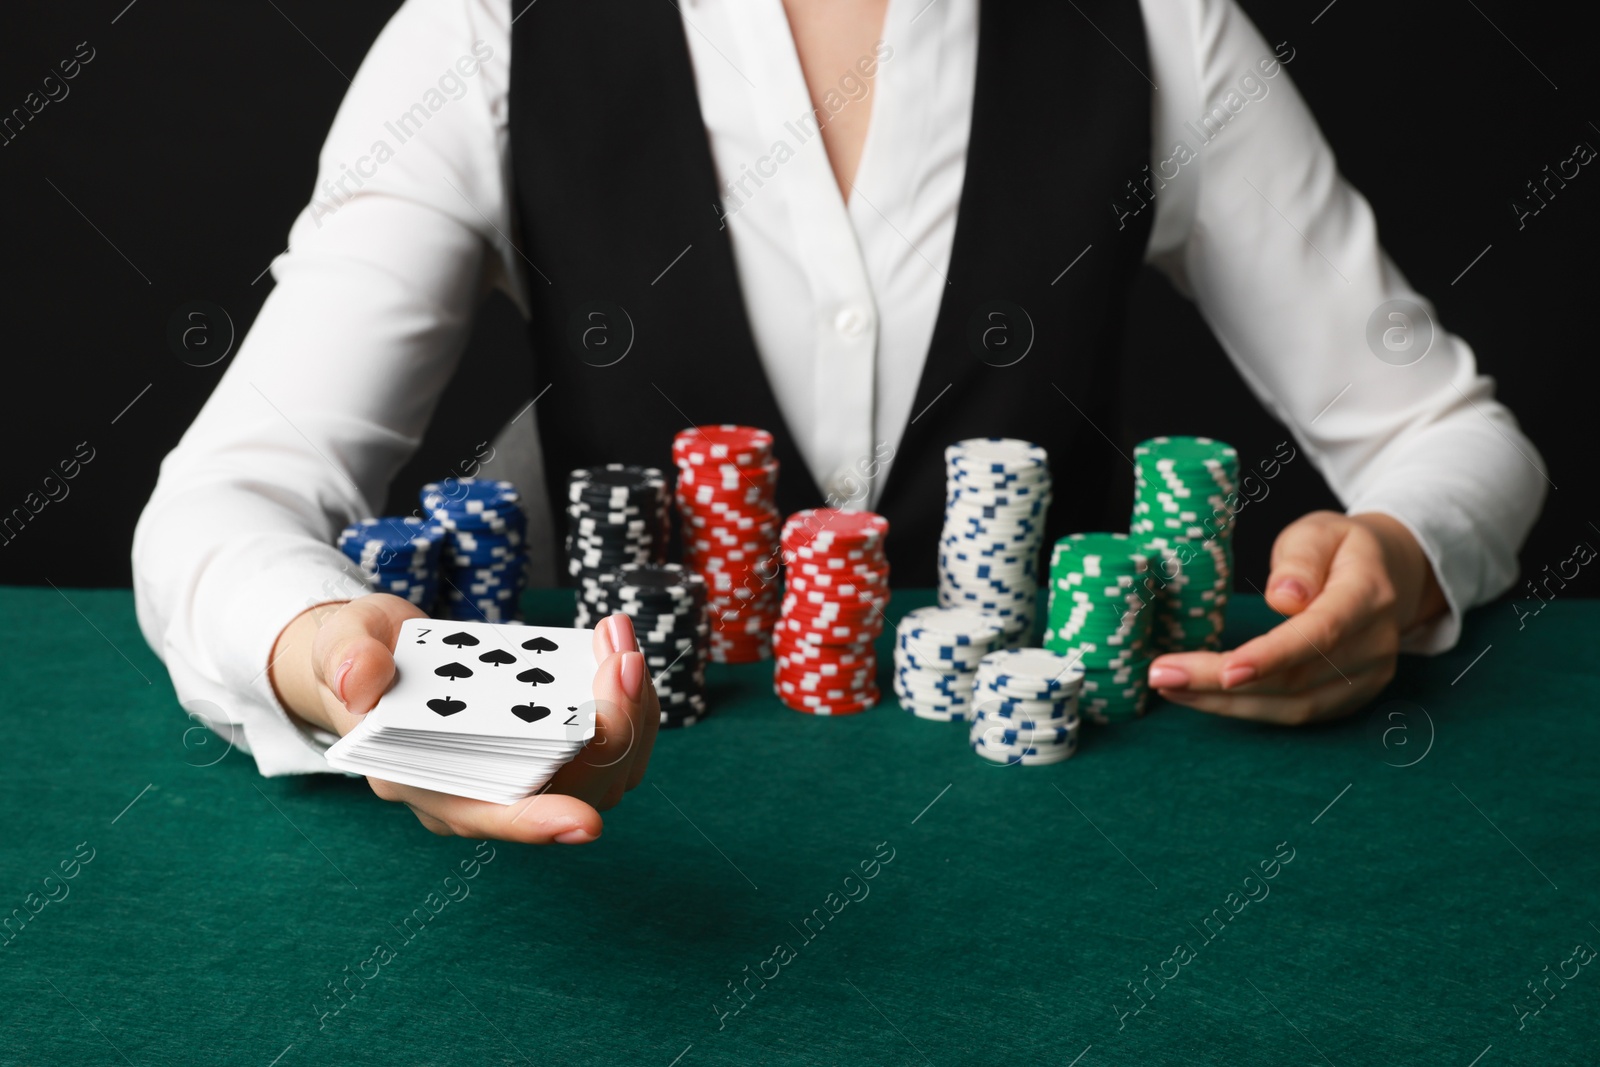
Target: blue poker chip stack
997,494
1026,704
397,555
485,549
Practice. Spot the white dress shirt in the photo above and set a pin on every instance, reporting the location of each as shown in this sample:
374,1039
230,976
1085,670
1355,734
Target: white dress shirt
411,224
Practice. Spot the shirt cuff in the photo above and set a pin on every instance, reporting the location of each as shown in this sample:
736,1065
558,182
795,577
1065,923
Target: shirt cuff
1448,542
258,610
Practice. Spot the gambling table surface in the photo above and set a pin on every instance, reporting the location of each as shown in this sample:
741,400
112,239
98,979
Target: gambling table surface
1416,884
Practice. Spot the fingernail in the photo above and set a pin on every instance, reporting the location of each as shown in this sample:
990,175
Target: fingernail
1290,587
338,680
1232,676
632,674
1168,677
621,628
579,836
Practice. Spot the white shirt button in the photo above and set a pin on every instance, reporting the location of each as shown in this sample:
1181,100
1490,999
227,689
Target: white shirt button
852,322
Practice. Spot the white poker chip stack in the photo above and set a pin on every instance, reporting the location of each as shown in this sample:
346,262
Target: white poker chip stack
997,493
936,659
1026,706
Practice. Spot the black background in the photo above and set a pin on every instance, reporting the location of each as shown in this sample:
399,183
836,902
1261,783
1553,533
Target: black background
189,143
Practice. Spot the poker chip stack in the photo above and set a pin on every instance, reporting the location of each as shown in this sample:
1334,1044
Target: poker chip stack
936,657
397,555
1182,513
837,585
616,515
1027,706
485,547
1100,614
726,496
997,492
667,604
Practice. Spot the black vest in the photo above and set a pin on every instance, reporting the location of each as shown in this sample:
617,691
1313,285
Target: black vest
614,179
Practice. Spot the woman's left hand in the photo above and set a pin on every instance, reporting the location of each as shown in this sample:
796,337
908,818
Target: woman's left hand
1348,587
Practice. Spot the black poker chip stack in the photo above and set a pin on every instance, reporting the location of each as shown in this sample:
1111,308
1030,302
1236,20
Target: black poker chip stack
667,604
616,515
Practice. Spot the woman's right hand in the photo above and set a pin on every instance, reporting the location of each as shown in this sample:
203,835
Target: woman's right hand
331,665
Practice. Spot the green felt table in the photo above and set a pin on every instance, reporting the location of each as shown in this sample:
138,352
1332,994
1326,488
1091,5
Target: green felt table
1443,858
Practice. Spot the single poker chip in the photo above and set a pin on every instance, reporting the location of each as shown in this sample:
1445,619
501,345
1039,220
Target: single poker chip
472,505
728,477
815,705
993,732
1024,756
951,626
819,603
836,569
941,675
466,495
932,714
855,682
615,481
933,707
824,528
839,655
1030,673
800,671
739,446
835,685
1027,726
996,455
804,586
653,579
995,703
395,538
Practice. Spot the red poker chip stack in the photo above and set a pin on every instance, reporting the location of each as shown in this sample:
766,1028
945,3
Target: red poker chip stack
837,587
727,493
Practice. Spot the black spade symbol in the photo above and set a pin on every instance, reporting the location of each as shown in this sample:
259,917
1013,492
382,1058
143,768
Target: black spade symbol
540,644
498,656
447,706
461,640
529,712
536,676
453,670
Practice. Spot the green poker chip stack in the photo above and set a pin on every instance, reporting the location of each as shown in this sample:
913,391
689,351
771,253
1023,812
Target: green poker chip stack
1101,615
1185,490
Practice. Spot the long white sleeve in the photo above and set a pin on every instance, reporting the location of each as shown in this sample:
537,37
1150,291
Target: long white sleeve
332,388
1281,256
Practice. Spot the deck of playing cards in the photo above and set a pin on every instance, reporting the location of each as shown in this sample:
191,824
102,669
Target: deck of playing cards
480,710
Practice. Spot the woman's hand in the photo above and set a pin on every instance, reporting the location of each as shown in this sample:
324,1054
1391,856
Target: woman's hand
333,662
1348,587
